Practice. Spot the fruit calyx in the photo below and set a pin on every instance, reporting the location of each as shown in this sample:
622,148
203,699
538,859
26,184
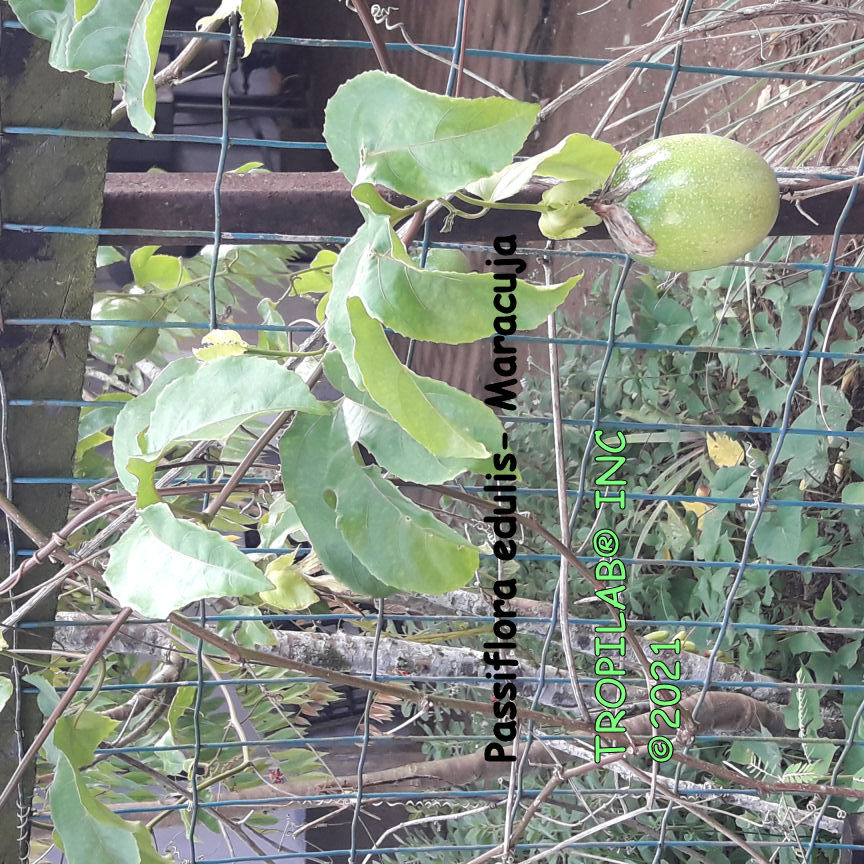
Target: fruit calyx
607,203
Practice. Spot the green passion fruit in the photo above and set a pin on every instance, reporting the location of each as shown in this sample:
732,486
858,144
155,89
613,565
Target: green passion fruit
689,202
447,260
125,345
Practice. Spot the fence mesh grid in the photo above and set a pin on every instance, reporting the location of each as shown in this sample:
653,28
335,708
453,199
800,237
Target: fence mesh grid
812,833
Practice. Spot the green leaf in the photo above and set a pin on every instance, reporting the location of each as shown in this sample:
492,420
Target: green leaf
78,737
250,634
359,524
98,42
47,699
144,472
88,830
272,340
778,536
580,158
46,696
810,452
381,129
258,19
100,418
122,343
146,849
139,89
403,394
280,521
220,343
805,643
730,481
564,217
134,418
318,279
321,309
42,17
398,452
853,493
224,10
315,454
201,401
106,255
250,168
576,157
112,41
162,563
5,691
401,543
218,397
432,305
448,260
63,24
393,448
290,591
90,442
824,608
810,720
182,702
162,271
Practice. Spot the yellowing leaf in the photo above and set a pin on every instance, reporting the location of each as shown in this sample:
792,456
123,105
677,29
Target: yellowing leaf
724,452
699,509
290,591
220,343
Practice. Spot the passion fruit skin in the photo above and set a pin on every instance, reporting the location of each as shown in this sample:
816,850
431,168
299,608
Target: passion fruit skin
448,260
702,199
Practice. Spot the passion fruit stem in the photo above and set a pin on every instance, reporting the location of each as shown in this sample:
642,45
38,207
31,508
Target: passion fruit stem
623,229
499,205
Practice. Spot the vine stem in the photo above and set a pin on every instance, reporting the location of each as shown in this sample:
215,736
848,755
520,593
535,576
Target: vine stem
499,205
681,35
255,451
48,546
238,652
561,548
362,10
61,706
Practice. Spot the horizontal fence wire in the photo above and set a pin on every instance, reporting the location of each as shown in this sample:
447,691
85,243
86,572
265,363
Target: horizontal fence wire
576,493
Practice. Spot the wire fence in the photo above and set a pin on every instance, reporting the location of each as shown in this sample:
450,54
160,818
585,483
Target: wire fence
635,814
